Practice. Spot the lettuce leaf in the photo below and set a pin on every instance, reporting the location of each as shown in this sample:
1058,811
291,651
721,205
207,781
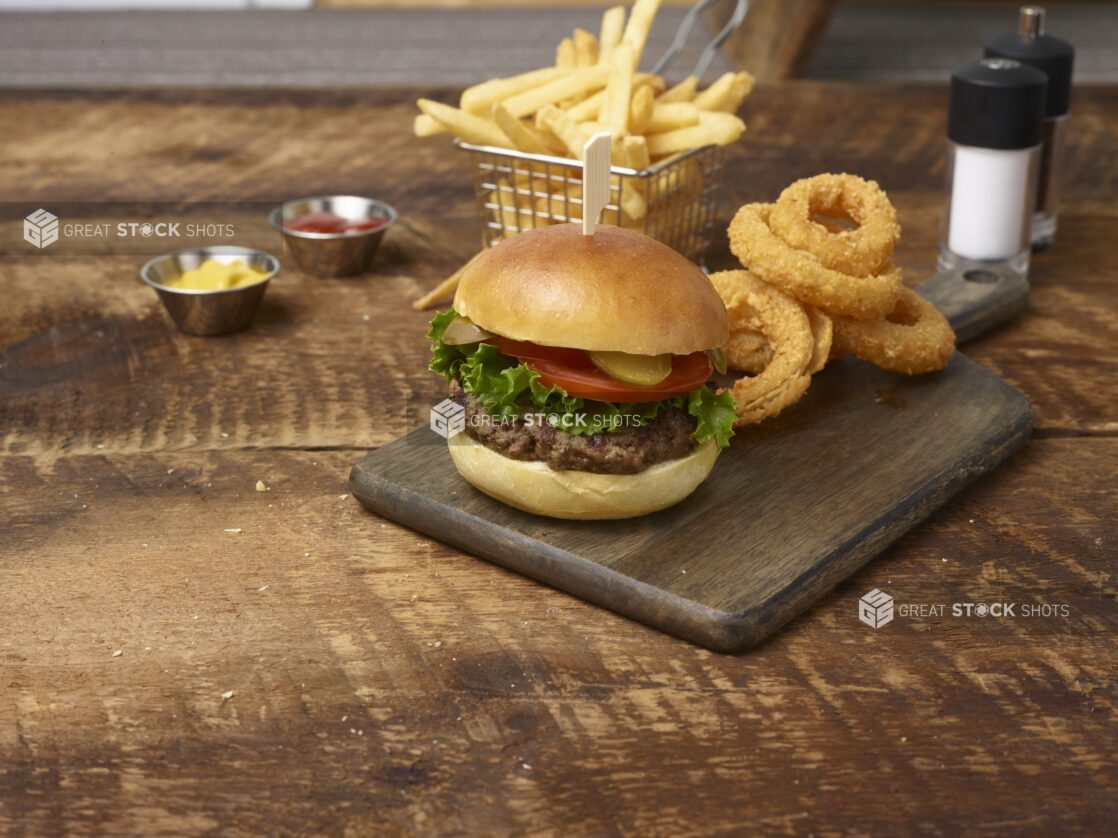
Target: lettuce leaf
509,389
714,415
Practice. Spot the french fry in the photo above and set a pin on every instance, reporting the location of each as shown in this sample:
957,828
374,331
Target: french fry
586,48
588,108
565,56
618,156
619,90
631,199
657,83
480,98
636,30
554,145
630,223
668,117
679,184
560,207
682,92
572,134
714,128
535,181
569,197
636,150
707,99
591,106
545,208
726,94
445,289
470,127
640,109
576,83
613,22
742,87
556,121
427,126
510,209
523,137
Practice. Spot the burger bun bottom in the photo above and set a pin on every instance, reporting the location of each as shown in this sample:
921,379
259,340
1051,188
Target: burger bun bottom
533,486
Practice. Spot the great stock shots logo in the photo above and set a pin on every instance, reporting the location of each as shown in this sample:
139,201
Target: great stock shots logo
448,418
875,609
40,228
71,228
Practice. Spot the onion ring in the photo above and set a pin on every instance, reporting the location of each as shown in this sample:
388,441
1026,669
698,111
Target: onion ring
748,351
822,332
734,292
800,274
785,324
864,250
914,338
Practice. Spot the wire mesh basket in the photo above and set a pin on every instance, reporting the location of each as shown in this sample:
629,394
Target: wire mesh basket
673,200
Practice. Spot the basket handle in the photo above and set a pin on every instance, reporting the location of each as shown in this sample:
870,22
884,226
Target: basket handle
711,49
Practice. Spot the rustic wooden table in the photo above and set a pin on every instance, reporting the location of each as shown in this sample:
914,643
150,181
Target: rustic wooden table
385,684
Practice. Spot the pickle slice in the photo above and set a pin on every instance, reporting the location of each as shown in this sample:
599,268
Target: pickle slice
462,330
717,359
638,370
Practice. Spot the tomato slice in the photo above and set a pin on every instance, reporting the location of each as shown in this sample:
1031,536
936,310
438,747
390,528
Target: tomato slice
573,370
523,350
689,372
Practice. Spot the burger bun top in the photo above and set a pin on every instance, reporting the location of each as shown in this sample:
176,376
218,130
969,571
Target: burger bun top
617,290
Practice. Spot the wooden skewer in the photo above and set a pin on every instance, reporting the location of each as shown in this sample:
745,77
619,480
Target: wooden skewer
595,180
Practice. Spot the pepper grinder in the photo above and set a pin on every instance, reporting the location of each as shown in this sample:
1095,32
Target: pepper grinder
1054,58
994,130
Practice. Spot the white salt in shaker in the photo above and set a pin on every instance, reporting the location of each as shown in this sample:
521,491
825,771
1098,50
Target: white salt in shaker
994,132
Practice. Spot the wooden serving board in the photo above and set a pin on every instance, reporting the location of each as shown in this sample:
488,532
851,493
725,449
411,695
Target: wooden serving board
793,506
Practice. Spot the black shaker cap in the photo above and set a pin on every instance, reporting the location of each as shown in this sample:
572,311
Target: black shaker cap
997,103
1052,56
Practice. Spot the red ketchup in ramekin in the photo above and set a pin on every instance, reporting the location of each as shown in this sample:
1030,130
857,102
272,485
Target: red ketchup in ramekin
328,222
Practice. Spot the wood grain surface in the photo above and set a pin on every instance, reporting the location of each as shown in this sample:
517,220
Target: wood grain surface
385,684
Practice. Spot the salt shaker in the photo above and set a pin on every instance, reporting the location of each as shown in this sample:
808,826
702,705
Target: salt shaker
994,131
1055,58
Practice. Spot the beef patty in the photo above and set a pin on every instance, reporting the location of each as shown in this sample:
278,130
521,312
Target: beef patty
625,451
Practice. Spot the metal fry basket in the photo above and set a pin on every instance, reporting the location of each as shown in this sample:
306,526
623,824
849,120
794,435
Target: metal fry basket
673,200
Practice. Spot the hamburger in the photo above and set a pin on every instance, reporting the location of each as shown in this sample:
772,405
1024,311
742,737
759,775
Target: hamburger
581,364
